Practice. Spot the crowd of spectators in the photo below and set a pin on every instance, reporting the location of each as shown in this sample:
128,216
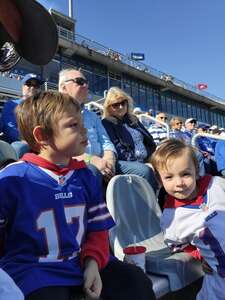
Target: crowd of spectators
210,160
53,190
120,143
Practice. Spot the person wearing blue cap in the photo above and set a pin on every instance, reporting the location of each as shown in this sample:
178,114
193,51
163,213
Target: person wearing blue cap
30,85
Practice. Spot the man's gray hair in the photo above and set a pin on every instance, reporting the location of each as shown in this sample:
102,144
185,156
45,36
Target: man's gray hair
63,76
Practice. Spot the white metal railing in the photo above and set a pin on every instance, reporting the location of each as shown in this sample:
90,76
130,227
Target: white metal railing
99,106
208,135
92,45
141,116
50,86
89,105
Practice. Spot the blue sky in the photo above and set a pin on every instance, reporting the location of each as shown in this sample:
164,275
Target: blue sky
185,38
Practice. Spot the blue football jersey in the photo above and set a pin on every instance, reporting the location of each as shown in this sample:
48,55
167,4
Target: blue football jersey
44,219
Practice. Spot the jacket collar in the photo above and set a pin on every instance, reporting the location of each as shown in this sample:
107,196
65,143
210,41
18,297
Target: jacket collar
41,162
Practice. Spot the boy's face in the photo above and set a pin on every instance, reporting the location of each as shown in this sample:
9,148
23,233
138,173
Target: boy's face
179,177
70,136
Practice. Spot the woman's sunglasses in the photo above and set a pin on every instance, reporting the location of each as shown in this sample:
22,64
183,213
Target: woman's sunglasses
119,104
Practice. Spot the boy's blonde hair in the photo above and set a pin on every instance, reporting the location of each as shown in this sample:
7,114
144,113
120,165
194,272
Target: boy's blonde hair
115,95
43,109
171,149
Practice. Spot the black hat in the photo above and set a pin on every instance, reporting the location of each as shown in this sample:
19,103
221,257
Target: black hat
38,36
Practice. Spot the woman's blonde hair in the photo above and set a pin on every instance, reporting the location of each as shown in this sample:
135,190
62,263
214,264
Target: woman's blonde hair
115,95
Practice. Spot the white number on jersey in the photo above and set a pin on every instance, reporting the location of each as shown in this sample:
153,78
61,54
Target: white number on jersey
47,223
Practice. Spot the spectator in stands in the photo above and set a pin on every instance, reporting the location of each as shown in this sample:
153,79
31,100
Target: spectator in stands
150,112
202,128
186,136
214,129
157,130
220,155
205,145
133,143
176,125
31,84
221,130
100,152
137,111
190,129
145,120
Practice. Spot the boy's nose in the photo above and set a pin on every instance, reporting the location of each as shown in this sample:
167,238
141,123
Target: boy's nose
179,181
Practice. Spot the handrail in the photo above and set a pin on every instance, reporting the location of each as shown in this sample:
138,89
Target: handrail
156,121
213,136
93,103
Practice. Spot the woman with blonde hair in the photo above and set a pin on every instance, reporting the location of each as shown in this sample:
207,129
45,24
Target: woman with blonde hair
133,143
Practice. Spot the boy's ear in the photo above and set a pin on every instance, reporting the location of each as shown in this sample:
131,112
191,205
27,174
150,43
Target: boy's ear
40,136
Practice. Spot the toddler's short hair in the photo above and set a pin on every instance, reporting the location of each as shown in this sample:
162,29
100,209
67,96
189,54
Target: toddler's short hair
169,150
42,109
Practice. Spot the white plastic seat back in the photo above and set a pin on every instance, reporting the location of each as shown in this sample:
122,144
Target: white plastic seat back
134,207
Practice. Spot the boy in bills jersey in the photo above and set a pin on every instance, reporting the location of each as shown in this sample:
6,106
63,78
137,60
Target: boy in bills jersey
194,212
53,221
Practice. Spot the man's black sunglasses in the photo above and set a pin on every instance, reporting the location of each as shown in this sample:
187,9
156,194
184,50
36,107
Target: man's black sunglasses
79,81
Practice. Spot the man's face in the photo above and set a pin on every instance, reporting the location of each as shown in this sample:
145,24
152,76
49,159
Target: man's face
31,87
76,86
161,117
190,125
177,124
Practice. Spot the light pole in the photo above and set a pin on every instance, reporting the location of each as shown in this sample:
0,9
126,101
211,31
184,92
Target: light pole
71,9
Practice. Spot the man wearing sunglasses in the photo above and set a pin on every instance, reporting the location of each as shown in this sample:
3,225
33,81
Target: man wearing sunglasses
31,84
157,130
100,150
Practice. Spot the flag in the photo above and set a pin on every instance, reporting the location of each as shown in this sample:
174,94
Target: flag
202,86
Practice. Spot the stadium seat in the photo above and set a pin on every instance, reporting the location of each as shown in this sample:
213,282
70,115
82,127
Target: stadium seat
135,210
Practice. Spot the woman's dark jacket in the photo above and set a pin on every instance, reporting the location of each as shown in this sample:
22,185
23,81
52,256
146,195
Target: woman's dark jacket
122,139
